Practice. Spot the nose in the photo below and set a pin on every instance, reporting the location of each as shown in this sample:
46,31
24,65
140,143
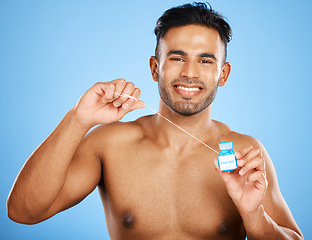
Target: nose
190,70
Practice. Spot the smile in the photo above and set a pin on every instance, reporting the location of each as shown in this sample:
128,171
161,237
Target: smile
193,89
188,91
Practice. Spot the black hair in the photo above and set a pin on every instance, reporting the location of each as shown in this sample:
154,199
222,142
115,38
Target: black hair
197,13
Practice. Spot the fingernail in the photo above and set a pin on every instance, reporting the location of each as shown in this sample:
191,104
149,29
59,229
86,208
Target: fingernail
216,163
240,162
116,104
125,106
241,172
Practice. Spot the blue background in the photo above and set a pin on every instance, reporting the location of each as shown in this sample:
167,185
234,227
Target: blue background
51,52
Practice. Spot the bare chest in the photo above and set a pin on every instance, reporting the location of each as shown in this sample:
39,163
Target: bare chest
150,194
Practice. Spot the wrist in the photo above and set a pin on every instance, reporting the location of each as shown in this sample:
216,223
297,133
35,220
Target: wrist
250,214
256,223
78,121
253,221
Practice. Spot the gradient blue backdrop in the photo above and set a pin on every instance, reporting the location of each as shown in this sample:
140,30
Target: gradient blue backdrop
51,52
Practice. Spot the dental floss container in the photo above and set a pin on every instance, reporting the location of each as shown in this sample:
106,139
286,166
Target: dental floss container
226,158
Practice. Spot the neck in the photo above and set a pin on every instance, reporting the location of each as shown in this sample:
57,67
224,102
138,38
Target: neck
199,125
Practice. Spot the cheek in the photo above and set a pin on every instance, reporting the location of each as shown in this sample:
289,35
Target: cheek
218,72
211,75
168,72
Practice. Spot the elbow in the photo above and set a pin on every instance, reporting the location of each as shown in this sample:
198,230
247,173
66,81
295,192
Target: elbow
301,237
18,216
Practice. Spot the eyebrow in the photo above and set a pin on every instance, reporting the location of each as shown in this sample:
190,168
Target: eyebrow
182,53
208,55
177,52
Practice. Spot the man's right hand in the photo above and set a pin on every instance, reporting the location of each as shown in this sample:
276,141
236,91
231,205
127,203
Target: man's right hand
64,169
102,103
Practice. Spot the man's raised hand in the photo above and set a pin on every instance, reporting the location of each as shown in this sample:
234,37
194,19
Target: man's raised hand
103,104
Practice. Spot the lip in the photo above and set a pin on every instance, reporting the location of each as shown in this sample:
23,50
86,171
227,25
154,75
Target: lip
187,90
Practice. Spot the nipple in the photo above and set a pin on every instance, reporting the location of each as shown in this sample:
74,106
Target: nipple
224,228
128,220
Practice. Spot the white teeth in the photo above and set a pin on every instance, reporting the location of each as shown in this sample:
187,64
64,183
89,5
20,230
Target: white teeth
188,89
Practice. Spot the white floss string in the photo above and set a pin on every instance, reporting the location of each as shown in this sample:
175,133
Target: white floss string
126,95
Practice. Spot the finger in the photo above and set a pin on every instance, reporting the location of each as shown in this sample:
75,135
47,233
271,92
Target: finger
215,161
100,88
224,175
240,163
217,166
243,151
253,153
104,90
118,81
136,93
131,103
124,98
257,163
253,160
260,180
127,90
109,89
137,105
120,84
134,103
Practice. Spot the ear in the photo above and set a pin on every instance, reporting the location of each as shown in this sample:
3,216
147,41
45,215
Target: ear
153,62
225,73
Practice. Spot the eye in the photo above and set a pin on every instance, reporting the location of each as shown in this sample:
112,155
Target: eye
178,59
205,61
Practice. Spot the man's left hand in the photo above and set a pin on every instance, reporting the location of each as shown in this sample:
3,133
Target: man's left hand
247,184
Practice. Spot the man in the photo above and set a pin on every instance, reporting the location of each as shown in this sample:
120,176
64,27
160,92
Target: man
153,186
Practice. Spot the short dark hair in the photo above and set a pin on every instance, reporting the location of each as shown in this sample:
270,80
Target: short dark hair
197,13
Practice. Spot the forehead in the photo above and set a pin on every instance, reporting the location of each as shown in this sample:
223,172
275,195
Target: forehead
194,39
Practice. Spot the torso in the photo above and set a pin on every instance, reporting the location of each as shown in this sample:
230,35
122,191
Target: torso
150,191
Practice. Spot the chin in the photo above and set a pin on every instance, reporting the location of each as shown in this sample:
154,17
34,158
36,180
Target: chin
188,110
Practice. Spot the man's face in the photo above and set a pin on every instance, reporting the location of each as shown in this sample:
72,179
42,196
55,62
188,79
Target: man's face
190,61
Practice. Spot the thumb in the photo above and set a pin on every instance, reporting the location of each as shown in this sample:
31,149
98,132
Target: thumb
224,175
139,104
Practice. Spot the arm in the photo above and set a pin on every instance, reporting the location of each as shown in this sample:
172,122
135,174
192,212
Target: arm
64,169
254,189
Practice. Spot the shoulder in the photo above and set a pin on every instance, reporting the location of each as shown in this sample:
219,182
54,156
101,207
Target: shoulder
117,133
242,140
239,140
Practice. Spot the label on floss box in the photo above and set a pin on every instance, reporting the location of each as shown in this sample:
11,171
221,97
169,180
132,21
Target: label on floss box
227,162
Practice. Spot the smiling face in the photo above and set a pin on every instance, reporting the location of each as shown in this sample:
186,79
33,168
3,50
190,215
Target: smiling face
190,68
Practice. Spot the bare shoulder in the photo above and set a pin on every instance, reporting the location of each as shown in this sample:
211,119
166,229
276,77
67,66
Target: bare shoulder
117,133
242,140
239,140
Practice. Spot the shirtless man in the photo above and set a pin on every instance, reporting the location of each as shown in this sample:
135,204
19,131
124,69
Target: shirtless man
155,181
